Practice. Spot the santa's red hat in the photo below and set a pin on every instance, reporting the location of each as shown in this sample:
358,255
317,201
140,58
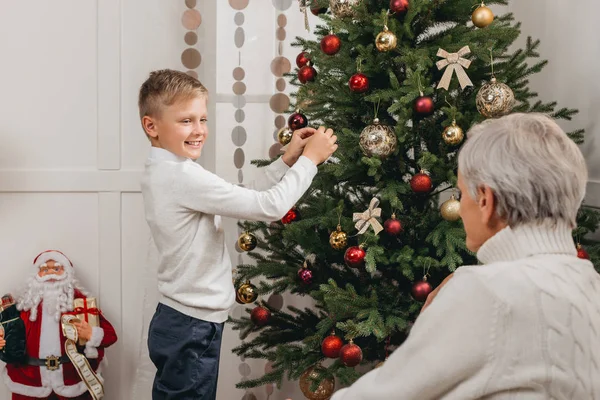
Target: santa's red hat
54,255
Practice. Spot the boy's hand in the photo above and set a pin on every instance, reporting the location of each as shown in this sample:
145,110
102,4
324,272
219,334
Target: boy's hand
296,146
321,145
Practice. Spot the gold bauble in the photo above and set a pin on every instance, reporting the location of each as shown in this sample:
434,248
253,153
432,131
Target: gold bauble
386,40
343,8
453,134
495,99
450,209
378,140
338,239
284,136
246,293
325,388
247,241
482,16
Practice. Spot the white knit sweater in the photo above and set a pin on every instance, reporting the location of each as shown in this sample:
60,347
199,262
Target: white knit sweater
526,325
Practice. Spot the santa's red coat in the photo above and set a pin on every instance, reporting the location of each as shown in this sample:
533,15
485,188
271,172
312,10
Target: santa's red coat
27,379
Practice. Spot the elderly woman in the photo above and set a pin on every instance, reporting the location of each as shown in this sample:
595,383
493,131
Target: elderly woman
525,324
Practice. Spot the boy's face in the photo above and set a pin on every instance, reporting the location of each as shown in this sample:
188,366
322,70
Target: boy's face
181,128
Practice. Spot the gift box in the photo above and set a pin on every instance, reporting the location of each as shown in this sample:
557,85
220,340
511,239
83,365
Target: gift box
86,309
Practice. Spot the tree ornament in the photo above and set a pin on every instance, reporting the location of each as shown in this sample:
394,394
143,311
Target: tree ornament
260,316
307,73
284,136
378,140
393,226
246,293
450,209
302,59
399,7
455,63
290,216
338,239
482,16
247,241
344,8
421,289
386,40
421,183
495,99
368,218
358,83
330,44
297,121
581,253
317,9
305,274
331,346
453,134
424,105
325,389
354,257
351,354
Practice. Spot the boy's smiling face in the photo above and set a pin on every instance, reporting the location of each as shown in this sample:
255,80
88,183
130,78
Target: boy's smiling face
181,128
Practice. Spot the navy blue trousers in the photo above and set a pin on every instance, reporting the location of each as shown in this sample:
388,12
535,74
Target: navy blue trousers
186,352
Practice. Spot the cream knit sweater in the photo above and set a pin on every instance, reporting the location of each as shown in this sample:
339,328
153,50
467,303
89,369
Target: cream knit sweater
525,325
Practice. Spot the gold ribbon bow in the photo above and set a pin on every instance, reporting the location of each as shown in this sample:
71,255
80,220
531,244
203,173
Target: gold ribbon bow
454,62
367,218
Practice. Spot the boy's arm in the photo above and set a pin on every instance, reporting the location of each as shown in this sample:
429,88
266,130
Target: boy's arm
270,175
199,190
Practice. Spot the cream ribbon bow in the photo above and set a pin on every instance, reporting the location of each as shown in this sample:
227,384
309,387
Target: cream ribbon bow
367,218
454,62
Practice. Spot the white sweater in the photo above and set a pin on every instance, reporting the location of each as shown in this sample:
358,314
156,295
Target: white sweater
526,325
183,202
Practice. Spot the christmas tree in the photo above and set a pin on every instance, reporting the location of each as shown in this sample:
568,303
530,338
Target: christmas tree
400,82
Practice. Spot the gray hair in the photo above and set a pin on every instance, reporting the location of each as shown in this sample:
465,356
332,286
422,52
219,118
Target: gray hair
535,170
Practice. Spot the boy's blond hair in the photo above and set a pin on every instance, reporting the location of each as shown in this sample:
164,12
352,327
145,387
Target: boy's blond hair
164,88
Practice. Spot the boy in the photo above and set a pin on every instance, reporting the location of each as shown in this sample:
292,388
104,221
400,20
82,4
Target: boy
183,204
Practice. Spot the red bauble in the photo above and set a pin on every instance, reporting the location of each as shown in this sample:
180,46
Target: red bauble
331,346
421,183
331,44
305,275
581,253
318,10
359,83
302,59
290,216
307,74
355,257
392,226
260,316
297,121
424,106
351,355
399,6
421,290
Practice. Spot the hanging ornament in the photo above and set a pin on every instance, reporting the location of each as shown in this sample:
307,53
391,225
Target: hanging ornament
495,99
378,140
290,216
351,354
316,10
302,59
482,16
455,63
421,183
307,73
331,346
421,289
581,253
450,209
393,226
354,257
338,239
344,8
330,44
399,7
297,121
260,316
247,241
284,136
358,83
453,134
386,40
305,274
368,218
325,389
423,105
246,293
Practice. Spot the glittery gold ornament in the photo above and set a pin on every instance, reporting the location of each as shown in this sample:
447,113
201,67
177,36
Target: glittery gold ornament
450,209
378,140
495,99
386,40
325,388
338,239
246,293
284,136
482,16
453,134
343,8
247,241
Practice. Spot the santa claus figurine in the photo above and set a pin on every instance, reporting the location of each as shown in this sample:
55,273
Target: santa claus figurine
65,336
